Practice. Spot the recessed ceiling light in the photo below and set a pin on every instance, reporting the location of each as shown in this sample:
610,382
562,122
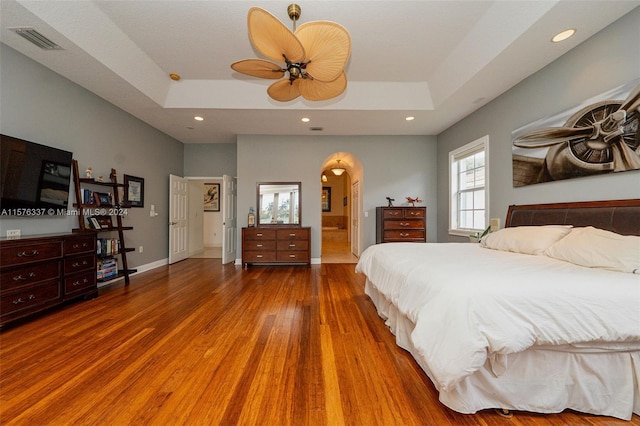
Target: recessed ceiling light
305,119
410,118
198,118
563,35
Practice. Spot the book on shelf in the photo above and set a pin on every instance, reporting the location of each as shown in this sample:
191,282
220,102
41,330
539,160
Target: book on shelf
108,246
87,197
107,268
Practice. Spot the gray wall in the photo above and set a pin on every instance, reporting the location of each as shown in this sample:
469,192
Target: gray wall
607,60
209,160
41,106
395,166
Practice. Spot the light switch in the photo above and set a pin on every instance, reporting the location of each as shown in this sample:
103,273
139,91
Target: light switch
495,224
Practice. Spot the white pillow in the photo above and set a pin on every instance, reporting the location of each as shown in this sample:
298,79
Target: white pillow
597,248
525,239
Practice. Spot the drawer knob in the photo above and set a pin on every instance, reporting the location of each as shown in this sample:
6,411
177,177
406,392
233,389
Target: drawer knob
293,234
259,255
258,245
21,278
292,245
292,256
404,223
404,234
259,234
21,300
28,254
77,283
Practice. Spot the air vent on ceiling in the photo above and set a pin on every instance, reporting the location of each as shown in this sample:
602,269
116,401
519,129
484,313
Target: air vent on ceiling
316,129
36,38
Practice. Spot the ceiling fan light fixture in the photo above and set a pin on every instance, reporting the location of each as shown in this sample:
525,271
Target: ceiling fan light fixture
314,56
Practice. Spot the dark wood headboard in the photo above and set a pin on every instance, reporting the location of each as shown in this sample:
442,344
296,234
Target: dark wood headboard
619,216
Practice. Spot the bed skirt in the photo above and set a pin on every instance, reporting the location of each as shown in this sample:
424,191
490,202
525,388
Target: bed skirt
541,380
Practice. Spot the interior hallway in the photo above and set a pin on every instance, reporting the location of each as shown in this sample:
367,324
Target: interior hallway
337,252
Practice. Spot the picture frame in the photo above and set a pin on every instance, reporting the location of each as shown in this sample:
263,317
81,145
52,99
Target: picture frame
105,222
326,199
133,191
102,199
211,196
93,223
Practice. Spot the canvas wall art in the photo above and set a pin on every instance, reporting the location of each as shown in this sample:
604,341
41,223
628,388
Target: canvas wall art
211,197
599,136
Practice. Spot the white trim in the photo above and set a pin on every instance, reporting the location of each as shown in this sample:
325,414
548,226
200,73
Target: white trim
468,149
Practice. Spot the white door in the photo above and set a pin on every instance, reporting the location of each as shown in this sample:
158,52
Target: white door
178,220
229,219
355,217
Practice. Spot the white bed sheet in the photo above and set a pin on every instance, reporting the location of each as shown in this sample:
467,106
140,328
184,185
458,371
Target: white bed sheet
488,307
537,380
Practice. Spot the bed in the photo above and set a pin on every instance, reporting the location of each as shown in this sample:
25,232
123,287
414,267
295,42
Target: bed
541,316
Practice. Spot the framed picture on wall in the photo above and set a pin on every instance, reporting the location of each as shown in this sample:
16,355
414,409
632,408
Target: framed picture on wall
211,197
326,199
134,191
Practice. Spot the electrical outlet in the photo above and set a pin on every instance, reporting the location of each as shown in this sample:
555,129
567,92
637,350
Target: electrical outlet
13,233
495,224
140,249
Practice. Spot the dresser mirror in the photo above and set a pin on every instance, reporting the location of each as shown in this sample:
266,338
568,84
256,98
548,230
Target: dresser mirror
278,203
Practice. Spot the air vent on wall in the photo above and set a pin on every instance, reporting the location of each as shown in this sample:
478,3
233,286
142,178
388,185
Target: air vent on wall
36,38
316,129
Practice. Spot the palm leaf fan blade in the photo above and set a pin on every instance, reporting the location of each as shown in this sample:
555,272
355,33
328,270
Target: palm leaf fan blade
258,68
284,90
327,45
272,38
315,90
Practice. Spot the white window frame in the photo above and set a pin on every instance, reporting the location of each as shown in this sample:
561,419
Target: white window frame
478,145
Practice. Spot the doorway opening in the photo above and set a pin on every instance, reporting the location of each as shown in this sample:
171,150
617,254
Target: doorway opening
340,207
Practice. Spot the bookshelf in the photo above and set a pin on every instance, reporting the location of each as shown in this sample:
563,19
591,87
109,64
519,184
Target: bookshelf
98,204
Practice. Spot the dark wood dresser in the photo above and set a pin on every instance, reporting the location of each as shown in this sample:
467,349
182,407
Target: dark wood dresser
287,245
40,272
401,224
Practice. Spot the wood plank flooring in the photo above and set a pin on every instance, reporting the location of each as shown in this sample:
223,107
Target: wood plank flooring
199,343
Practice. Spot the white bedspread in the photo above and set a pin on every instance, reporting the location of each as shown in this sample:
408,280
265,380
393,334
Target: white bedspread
470,304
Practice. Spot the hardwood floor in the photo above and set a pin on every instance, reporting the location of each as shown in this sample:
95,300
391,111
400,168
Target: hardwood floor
199,343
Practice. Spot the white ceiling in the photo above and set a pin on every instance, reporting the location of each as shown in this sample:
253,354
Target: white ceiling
435,60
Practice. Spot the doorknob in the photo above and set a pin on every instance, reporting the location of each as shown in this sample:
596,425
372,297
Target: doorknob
173,223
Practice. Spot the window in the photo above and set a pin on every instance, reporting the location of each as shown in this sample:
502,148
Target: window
469,187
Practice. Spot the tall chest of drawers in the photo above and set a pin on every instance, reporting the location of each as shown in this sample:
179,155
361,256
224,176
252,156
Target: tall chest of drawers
401,224
39,272
281,245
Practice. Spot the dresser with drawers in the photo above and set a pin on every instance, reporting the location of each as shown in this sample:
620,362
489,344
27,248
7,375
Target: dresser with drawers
40,272
286,245
401,224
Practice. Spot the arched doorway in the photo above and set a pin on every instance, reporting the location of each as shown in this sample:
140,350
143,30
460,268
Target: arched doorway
340,175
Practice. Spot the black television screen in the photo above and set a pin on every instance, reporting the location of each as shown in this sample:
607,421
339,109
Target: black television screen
35,178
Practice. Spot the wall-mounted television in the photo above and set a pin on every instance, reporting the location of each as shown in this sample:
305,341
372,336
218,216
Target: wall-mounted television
35,178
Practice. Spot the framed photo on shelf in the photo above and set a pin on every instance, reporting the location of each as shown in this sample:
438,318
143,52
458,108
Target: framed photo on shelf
326,199
102,198
134,191
211,197
104,222
93,223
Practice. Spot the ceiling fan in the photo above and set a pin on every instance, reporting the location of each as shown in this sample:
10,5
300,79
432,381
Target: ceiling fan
314,56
